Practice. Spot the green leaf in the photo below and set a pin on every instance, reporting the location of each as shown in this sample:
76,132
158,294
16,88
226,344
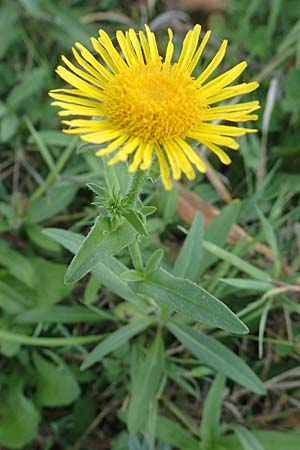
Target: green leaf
132,275
216,355
188,262
145,385
91,290
236,261
19,418
210,428
252,285
30,85
56,384
100,242
218,231
247,439
136,221
10,300
50,287
108,272
191,300
272,241
19,266
287,440
8,126
98,190
58,197
35,234
171,432
154,261
114,341
62,314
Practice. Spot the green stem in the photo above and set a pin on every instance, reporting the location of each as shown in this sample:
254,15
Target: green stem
48,342
135,187
136,257
55,171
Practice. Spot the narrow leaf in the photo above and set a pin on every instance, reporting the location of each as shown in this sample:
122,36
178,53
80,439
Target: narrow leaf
247,439
108,271
218,231
236,261
191,300
210,429
216,355
188,262
114,341
145,385
100,242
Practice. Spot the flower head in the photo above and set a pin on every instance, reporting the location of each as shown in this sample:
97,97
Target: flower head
141,104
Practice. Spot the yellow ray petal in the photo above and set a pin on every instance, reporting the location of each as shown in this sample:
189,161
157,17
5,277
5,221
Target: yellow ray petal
128,148
136,45
93,61
164,169
224,130
76,110
115,57
215,62
172,157
223,80
102,136
112,146
198,53
147,157
170,49
223,157
75,81
75,100
189,47
216,139
127,51
232,91
191,154
152,44
138,157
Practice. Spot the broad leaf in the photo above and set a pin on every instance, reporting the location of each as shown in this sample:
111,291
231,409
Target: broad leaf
188,298
19,418
101,241
216,355
56,384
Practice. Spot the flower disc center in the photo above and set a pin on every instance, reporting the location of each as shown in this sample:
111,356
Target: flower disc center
154,103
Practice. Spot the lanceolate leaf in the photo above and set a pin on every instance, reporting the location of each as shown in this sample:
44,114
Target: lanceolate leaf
114,341
218,231
188,261
188,298
108,270
172,433
216,355
101,241
210,428
145,385
247,439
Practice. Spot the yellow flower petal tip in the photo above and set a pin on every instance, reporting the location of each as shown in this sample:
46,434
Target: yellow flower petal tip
140,103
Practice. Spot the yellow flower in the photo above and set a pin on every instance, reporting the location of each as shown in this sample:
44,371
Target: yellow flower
141,103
